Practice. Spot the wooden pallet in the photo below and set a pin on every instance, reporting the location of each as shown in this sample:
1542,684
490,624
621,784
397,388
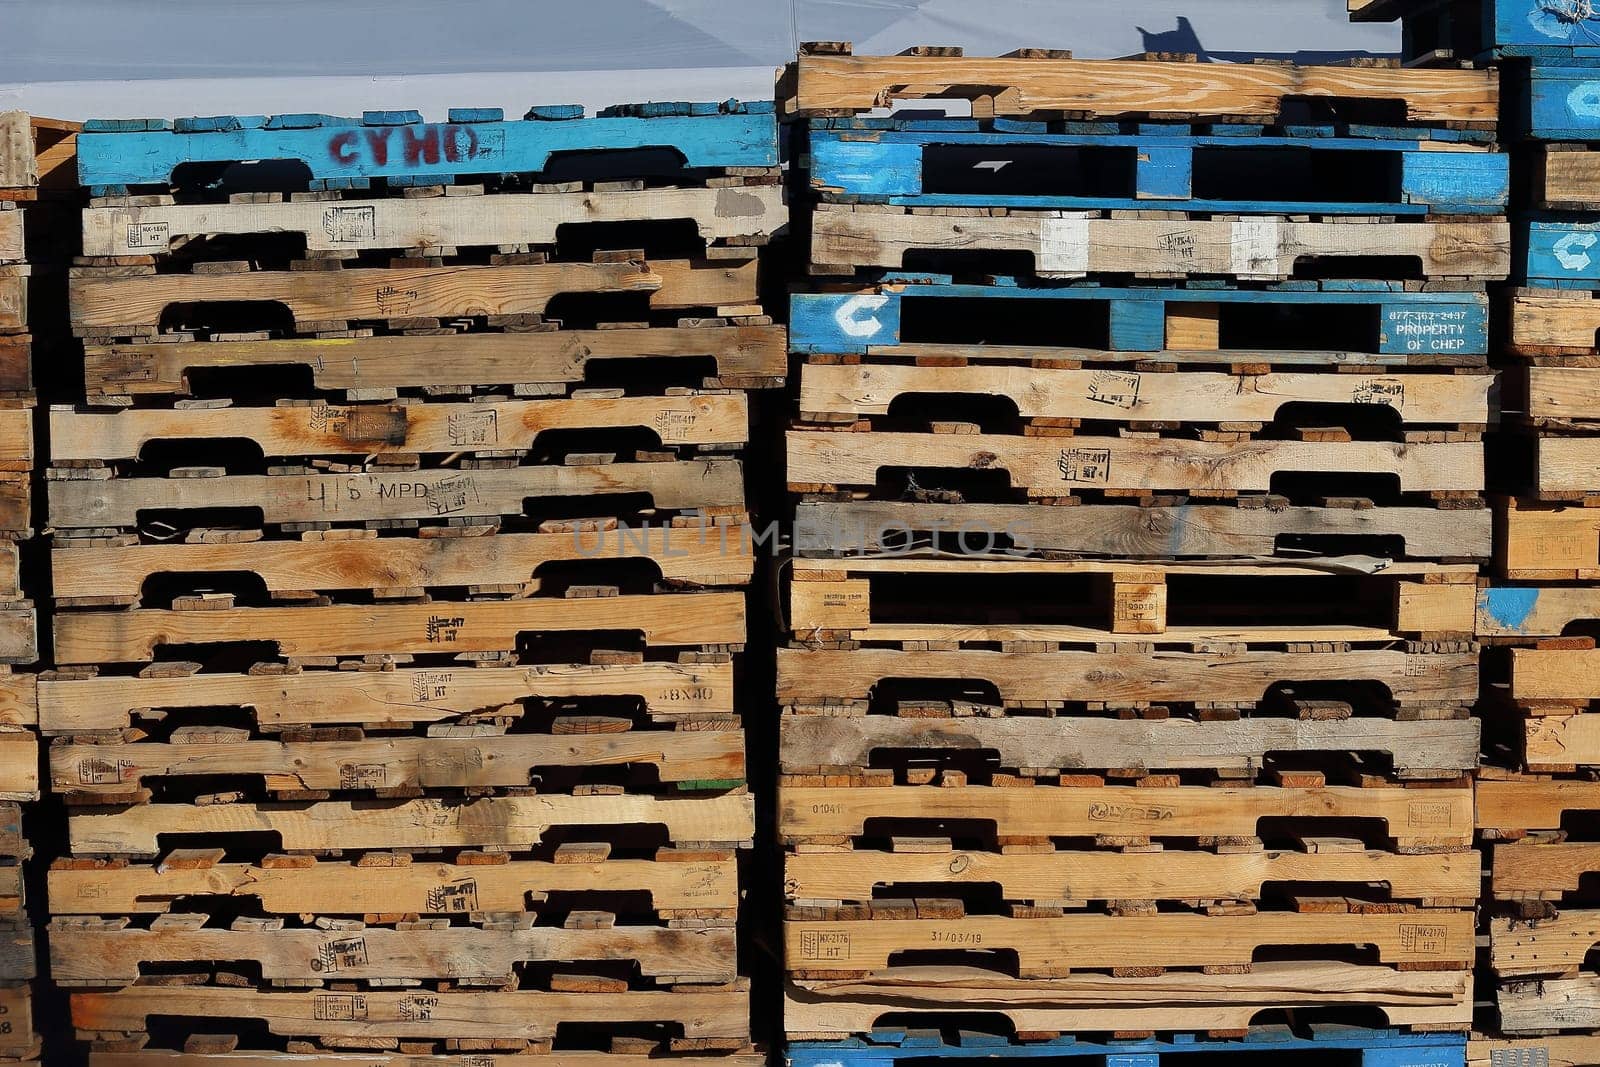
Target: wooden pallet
830,878
334,222
1549,1004
1128,676
826,461
1537,541
1510,806
464,758
310,496
1247,526
1555,676
832,744
1415,818
1485,30
1097,1003
707,1017
1553,322
106,570
138,635
36,153
676,884
11,243
1555,1050
513,822
1048,948
1563,468
846,238
1554,945
907,598
1541,867
272,697
1518,611
1565,177
835,392
108,305
553,360
18,1039
111,953
313,428
828,79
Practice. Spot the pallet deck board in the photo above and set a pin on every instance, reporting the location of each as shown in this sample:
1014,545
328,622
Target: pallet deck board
1549,1004
1111,88
1554,945
1436,816
1045,467
1106,875
695,554
739,354
1127,677
425,888
1096,1003
1534,611
136,635
378,429
1523,869
512,822
755,211
399,696
677,756
1063,246
110,305
1522,805
436,493
810,741
106,952
338,148
1194,396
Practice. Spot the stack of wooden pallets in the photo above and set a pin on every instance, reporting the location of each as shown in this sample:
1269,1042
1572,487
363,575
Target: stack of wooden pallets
399,571
1539,793
35,162
1140,503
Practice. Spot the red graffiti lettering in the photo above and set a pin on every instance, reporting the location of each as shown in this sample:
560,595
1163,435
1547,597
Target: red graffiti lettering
460,143
378,144
342,147
421,145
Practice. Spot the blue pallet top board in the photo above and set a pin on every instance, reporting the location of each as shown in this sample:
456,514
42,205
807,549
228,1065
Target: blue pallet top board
1563,255
887,166
1266,1045
1553,102
381,144
1487,29
1409,323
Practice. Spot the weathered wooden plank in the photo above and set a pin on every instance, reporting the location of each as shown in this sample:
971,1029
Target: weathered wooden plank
82,770
1555,674
1565,177
1532,803
16,438
1439,816
1097,875
19,765
19,633
459,221
421,494
514,823
1566,464
694,881
1543,946
14,298
376,293
11,244
16,1008
1563,320
1068,245
376,429
18,168
1534,611
1556,1050
1128,677
1524,869
101,951
1549,1004
1053,467
1547,542
714,1014
337,629
1046,946
1108,88
1192,396
1557,742
811,741
740,354
697,554
403,695
1131,531
1096,1003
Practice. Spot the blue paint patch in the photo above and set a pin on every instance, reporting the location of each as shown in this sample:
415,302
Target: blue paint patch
1508,606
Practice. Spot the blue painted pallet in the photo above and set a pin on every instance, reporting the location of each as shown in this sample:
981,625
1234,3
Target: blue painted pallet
886,166
1562,255
1408,323
1266,1046
397,145
1552,29
1552,102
